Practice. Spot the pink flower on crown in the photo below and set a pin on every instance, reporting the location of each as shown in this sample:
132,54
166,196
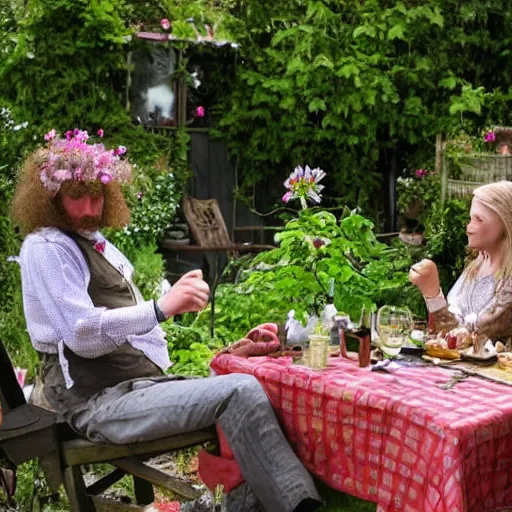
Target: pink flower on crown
101,133
74,158
62,175
104,160
200,111
165,23
50,135
83,136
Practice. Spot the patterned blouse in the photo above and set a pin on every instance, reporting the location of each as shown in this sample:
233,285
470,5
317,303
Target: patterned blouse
483,299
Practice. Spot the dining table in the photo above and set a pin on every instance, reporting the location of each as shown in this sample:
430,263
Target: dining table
411,437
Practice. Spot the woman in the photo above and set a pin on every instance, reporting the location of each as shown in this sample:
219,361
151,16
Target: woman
481,299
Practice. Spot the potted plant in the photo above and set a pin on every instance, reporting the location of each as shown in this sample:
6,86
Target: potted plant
414,193
474,161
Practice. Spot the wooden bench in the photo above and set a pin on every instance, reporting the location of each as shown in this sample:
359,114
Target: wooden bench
28,432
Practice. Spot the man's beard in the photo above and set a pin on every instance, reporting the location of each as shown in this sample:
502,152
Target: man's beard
89,223
86,223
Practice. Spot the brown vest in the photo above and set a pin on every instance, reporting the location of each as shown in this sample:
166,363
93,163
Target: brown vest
107,288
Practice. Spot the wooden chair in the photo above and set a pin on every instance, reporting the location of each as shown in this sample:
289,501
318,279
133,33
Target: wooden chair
29,432
209,229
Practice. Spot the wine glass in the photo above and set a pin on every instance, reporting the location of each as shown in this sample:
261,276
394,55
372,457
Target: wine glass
393,326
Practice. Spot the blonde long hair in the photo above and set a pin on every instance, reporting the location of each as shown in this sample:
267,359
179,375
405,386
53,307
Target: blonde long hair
498,198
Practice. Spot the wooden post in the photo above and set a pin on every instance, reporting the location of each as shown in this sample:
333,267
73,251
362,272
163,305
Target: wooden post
439,153
182,105
442,166
129,70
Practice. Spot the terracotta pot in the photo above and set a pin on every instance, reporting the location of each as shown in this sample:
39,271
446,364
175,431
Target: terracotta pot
413,210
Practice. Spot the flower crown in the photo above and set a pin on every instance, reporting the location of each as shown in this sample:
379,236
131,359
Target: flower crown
73,158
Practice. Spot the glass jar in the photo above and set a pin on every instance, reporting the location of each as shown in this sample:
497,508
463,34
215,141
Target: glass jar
318,351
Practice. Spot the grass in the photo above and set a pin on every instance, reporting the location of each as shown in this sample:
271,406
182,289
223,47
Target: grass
29,475
336,501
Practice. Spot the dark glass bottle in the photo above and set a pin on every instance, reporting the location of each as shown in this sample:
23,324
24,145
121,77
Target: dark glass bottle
330,291
363,333
332,312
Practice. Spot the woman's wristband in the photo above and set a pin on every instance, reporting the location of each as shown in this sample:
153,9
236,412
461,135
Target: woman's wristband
160,315
435,303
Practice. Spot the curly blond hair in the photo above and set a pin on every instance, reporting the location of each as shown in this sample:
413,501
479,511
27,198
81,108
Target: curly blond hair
34,207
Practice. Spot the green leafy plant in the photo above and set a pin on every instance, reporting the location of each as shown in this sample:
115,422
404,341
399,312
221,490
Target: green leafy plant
313,248
419,191
190,348
13,331
350,86
153,202
446,240
149,270
321,330
463,148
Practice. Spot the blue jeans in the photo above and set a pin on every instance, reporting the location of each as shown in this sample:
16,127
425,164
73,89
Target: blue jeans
148,409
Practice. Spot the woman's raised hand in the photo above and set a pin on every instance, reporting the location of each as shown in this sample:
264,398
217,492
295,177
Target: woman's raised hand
426,277
189,294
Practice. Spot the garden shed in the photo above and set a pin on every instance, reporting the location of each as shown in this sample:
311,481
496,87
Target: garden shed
172,84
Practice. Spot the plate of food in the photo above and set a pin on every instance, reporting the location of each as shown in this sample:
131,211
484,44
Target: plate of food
448,345
505,361
436,352
486,353
459,343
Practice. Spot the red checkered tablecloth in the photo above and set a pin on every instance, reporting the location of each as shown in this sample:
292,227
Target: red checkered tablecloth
395,439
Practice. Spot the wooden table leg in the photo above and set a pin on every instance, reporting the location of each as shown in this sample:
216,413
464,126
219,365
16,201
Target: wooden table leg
79,500
144,494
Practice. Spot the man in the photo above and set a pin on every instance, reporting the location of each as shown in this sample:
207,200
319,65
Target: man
102,349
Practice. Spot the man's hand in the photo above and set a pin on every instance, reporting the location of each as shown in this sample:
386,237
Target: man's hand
426,277
189,294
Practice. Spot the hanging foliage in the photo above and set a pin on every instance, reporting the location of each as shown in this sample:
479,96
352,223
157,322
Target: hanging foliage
341,85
